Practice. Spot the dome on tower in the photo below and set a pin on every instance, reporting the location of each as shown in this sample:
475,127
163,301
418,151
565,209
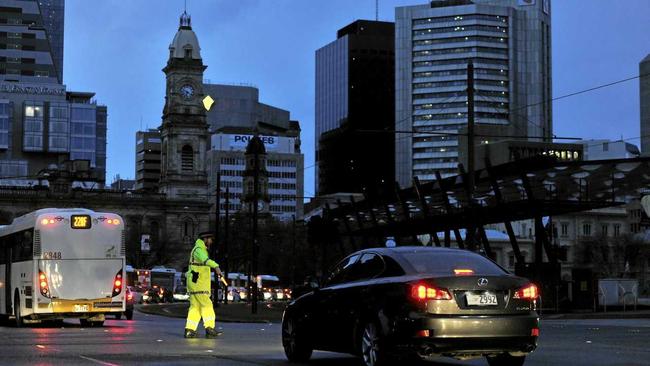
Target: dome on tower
185,41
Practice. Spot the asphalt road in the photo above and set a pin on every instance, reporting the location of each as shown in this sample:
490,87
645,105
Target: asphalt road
156,340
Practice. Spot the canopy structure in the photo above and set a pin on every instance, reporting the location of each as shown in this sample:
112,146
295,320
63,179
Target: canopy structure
524,189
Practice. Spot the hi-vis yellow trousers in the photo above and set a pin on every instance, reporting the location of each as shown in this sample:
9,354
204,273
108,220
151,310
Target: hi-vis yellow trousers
200,307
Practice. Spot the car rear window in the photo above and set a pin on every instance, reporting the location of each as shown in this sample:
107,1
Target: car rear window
445,263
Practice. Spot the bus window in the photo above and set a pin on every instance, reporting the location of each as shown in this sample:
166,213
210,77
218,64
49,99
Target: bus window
23,246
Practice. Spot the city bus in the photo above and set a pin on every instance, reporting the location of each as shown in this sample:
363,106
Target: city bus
62,263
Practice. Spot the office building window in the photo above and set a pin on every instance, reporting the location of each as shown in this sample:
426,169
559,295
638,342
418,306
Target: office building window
83,133
33,126
565,229
586,229
5,115
617,230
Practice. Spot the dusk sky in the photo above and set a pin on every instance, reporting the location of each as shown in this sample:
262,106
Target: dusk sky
117,49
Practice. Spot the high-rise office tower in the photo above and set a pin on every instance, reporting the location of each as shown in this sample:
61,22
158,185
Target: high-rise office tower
53,12
644,94
41,123
355,107
31,41
147,160
509,43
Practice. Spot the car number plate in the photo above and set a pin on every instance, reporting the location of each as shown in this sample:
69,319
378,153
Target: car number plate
80,308
485,299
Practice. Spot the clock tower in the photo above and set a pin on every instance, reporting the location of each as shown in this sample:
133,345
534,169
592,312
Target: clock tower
184,129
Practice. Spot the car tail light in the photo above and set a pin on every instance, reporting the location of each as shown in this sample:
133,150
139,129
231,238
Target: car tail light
129,296
43,285
528,292
427,292
423,333
534,332
117,283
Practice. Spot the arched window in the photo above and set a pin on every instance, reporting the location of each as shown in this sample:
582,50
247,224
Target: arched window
187,159
187,229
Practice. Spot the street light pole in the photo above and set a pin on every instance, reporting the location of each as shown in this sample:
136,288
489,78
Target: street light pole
256,173
213,247
225,242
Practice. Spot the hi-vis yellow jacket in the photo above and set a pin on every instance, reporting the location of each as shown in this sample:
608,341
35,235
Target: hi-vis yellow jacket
200,263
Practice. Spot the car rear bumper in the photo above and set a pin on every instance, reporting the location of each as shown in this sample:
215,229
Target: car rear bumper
458,335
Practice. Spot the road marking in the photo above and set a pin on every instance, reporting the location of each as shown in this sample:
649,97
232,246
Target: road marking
98,361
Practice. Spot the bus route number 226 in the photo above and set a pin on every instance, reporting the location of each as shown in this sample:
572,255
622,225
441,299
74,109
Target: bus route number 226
52,255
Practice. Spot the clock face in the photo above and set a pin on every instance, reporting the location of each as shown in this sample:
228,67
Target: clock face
187,91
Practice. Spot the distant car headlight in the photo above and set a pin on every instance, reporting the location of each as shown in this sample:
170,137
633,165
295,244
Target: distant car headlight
145,297
267,295
181,297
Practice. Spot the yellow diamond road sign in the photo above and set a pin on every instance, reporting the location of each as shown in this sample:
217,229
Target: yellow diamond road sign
208,102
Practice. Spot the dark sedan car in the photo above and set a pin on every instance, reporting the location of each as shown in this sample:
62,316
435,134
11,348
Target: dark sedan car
419,302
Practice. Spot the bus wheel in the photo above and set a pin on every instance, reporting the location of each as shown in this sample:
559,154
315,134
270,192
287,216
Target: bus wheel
19,319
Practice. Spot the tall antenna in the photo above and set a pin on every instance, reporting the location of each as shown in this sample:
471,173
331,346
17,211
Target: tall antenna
376,10
185,6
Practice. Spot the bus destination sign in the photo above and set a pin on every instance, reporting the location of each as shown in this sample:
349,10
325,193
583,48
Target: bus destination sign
80,221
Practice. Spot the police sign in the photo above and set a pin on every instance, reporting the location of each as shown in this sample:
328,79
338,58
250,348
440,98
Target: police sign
242,140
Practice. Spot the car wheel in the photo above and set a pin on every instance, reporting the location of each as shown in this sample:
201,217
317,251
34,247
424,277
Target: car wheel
129,314
118,316
373,352
295,345
506,360
18,322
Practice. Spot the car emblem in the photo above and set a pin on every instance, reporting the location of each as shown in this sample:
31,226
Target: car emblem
482,281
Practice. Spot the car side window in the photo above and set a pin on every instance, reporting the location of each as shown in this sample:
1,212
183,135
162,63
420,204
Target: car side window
341,271
369,266
392,268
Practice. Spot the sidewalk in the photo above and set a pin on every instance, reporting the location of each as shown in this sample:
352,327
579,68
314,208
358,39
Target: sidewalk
231,313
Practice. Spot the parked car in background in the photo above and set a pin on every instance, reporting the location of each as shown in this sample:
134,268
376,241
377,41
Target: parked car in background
181,294
130,302
137,294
